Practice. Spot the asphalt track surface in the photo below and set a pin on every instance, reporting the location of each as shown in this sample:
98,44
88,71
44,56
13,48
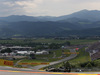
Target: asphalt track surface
29,73
22,71
19,71
9,72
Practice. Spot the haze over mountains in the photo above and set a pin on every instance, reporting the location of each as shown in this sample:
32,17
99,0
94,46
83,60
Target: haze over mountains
81,23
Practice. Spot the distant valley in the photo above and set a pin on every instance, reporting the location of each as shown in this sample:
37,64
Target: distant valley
81,23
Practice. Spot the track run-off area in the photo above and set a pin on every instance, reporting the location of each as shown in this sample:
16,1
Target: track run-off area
10,72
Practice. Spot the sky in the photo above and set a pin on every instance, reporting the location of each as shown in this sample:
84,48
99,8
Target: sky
45,7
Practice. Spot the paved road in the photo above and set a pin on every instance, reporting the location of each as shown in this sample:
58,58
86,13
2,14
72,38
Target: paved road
56,62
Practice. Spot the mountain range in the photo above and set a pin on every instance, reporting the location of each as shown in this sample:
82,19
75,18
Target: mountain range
81,23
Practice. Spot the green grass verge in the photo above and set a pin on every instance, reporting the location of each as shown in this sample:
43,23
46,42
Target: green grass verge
33,61
48,57
15,61
58,54
82,57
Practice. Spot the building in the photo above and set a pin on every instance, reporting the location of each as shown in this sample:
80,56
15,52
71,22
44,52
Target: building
25,52
42,52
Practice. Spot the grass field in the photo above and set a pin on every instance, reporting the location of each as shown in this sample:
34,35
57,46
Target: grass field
82,57
48,58
33,61
73,42
58,53
48,41
41,40
78,42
